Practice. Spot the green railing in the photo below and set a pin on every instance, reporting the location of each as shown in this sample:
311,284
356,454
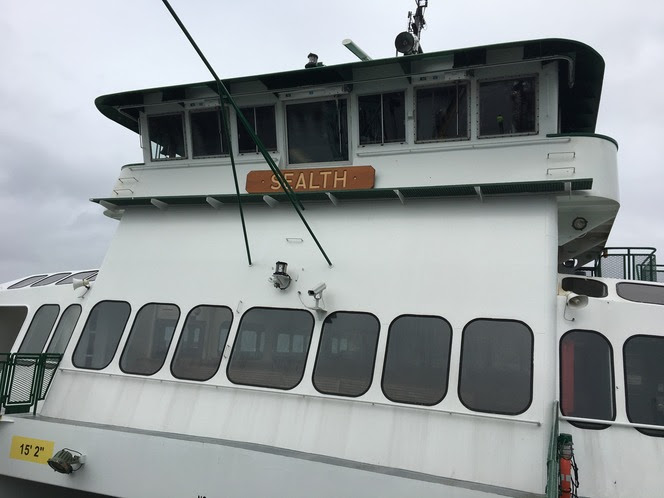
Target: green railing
552,461
25,379
627,263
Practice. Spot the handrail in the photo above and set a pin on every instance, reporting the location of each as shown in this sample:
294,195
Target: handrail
25,379
552,463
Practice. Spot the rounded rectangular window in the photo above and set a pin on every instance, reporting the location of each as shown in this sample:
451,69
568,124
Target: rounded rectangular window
11,321
496,373
317,131
641,293
585,287
442,112
27,281
644,381
508,107
271,348
63,331
417,360
166,136
40,328
202,341
149,339
586,377
101,335
346,354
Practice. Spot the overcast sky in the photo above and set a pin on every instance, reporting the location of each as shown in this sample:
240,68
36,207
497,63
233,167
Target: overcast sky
57,150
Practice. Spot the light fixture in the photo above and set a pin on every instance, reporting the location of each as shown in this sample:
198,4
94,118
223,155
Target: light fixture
280,278
579,223
575,302
317,294
66,462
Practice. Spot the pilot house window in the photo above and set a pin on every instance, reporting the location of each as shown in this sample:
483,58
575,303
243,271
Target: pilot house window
206,133
166,136
382,118
508,107
101,335
317,132
262,124
442,112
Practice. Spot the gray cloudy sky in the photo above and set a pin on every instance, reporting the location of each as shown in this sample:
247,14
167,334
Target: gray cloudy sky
57,150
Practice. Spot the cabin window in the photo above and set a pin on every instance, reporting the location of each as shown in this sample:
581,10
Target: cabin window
27,281
262,123
89,275
63,331
49,280
508,106
206,133
149,339
11,321
101,335
382,118
442,112
317,131
271,348
346,354
40,328
496,366
586,377
166,136
585,287
202,342
417,360
641,293
644,381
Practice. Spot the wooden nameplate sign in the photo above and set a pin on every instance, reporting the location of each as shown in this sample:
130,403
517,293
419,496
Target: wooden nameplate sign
313,179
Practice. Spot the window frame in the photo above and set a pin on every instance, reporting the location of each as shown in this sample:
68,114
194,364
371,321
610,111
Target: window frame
478,112
382,142
32,321
189,135
185,135
449,359
239,127
446,84
587,425
532,365
320,344
237,337
639,284
181,336
349,134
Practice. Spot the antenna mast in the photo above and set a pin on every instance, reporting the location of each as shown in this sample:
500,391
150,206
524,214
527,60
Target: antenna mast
408,42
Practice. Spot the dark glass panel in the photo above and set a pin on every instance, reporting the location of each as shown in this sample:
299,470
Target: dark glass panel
369,110
40,328
63,331
394,117
166,136
496,366
317,132
27,281
586,377
266,126
585,287
346,354
101,335
201,345
641,293
206,133
644,381
508,107
149,339
11,321
442,112
271,348
53,278
90,275
417,360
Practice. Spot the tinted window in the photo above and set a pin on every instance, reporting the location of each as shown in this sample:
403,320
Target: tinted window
11,321
382,118
40,328
585,287
90,275
417,360
644,381
508,107
271,348
64,329
166,136
263,124
51,279
586,377
202,343
101,335
442,112
206,133
149,339
496,366
317,132
26,281
641,293
346,354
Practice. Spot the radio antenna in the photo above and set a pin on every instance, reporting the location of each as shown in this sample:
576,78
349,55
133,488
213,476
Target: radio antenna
408,42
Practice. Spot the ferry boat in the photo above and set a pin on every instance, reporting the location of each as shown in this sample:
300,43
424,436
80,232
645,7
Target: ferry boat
381,278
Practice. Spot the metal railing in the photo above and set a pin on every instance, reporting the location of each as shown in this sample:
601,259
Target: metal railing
552,462
25,379
627,263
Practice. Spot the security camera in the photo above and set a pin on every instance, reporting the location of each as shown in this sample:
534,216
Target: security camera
318,290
